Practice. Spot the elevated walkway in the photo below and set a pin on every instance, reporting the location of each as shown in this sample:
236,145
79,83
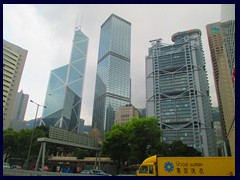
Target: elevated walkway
68,138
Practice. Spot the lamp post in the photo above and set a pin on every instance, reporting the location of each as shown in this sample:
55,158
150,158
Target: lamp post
148,150
30,146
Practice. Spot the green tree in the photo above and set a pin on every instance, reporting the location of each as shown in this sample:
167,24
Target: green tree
44,130
9,143
24,137
138,139
177,148
144,138
41,131
116,145
132,142
16,144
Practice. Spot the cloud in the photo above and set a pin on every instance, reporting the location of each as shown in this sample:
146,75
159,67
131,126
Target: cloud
46,31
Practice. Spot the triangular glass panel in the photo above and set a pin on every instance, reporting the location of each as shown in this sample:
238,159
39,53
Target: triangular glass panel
54,101
77,87
61,72
79,65
82,46
54,82
73,75
79,36
75,54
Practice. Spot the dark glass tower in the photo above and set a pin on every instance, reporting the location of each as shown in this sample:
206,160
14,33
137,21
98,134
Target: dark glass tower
112,88
64,93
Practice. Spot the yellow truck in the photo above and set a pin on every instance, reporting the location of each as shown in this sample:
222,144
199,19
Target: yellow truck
187,166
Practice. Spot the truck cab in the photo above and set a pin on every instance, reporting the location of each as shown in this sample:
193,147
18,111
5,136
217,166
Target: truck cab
187,166
148,167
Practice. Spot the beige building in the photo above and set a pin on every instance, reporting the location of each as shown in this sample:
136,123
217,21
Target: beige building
95,132
126,113
219,48
14,58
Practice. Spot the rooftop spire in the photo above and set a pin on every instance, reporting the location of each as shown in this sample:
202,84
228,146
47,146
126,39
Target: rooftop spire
79,25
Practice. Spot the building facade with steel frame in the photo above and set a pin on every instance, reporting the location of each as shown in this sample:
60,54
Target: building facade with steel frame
177,91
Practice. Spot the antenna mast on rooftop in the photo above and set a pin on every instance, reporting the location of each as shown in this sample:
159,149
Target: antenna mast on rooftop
77,23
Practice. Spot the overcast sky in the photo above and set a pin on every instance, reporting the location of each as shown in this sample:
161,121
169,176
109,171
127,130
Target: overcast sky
46,31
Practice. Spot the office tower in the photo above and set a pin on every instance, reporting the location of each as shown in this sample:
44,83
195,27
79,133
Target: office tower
64,93
228,30
14,58
177,91
29,124
221,145
18,114
143,112
228,27
80,129
112,88
221,38
126,113
87,128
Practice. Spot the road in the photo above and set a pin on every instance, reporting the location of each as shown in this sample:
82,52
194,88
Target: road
11,172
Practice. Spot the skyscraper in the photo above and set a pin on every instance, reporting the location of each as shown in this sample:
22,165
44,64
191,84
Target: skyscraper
18,114
14,58
112,89
221,38
177,91
221,145
64,93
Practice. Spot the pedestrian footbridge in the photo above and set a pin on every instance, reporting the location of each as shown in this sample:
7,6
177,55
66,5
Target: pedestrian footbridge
68,138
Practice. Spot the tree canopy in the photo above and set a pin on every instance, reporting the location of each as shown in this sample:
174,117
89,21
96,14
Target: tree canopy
139,138
16,144
128,143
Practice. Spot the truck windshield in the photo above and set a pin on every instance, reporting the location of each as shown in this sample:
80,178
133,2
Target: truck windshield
143,170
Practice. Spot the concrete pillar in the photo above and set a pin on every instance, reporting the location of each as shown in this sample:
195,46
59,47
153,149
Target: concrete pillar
43,155
39,156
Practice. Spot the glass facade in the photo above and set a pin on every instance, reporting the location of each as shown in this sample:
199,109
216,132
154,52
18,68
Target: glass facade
112,88
228,31
178,91
64,94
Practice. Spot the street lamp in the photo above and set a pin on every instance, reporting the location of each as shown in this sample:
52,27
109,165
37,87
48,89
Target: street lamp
148,149
30,146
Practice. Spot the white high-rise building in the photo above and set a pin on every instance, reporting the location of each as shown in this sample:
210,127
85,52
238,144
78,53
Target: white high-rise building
14,58
20,106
